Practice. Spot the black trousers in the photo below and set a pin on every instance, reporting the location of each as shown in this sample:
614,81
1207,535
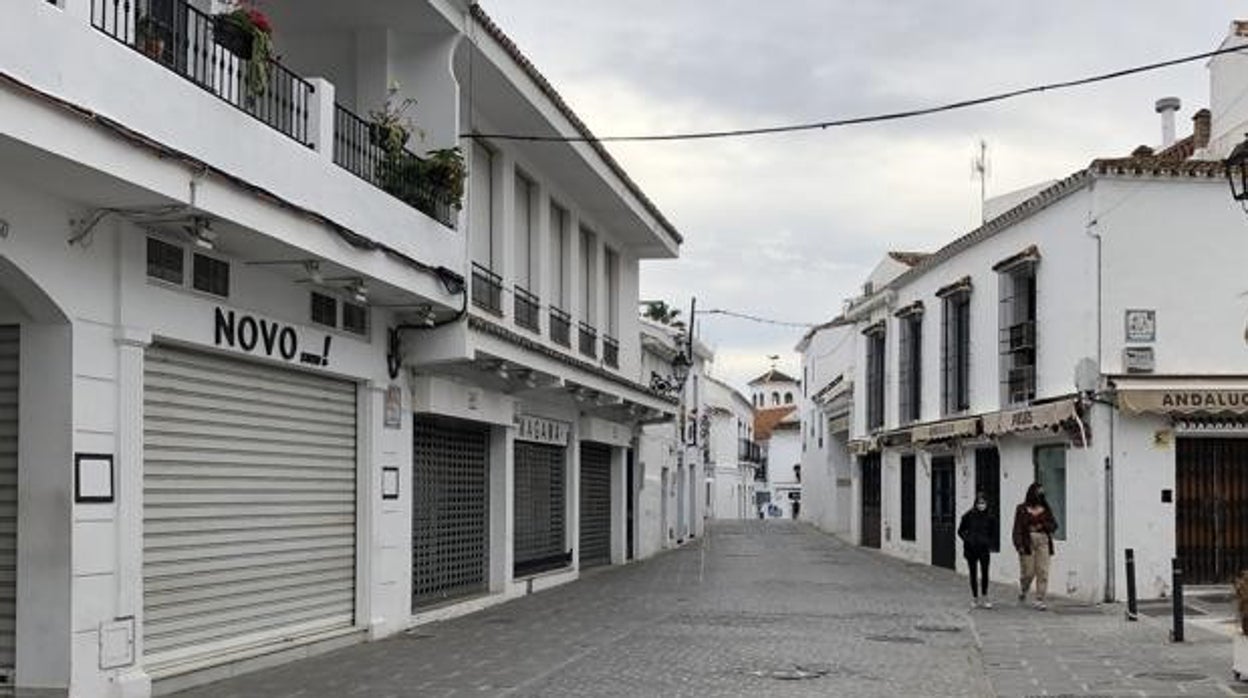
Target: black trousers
978,559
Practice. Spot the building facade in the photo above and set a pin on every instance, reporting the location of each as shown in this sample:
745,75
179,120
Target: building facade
778,430
273,383
733,457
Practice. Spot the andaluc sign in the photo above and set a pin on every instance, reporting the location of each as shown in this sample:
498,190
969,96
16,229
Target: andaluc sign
266,337
1209,401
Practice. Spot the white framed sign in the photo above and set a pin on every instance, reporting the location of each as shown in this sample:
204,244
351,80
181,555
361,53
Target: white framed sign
542,430
1141,325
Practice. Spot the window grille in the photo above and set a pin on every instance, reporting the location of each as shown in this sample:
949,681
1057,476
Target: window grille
956,354
910,368
1018,333
875,376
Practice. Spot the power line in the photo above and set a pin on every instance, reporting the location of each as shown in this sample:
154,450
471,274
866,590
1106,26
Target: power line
876,118
755,318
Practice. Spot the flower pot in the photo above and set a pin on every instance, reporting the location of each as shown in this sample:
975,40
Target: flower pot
152,47
233,37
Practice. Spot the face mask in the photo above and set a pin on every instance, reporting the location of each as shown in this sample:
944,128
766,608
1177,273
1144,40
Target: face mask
981,506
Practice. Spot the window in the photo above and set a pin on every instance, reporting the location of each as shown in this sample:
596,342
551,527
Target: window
354,318
165,261
875,376
910,365
324,309
788,398
775,398
956,350
481,213
611,268
524,237
558,256
1018,331
907,497
1051,474
988,481
210,275
588,278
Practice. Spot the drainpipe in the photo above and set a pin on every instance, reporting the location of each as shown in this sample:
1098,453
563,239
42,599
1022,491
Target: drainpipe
1109,460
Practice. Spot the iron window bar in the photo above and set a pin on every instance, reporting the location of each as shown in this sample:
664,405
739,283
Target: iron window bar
560,327
527,309
487,289
611,351
1018,332
587,337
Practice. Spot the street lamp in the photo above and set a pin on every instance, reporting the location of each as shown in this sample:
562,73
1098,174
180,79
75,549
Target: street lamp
1237,173
680,369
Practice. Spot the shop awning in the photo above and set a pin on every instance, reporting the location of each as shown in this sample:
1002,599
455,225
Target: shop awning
1046,416
1187,396
860,447
950,429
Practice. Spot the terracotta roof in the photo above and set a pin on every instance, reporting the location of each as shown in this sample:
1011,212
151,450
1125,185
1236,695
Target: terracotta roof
544,85
772,376
908,258
766,421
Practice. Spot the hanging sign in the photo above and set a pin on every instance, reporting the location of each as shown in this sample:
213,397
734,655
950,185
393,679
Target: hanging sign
541,430
270,338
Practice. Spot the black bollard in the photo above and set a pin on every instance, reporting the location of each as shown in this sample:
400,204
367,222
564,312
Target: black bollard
1176,572
1132,610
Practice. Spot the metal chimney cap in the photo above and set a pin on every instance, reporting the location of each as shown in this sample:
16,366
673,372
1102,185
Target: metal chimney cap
1168,104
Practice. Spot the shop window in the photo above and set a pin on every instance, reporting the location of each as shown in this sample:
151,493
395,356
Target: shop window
324,309
210,275
1051,474
354,318
165,261
907,498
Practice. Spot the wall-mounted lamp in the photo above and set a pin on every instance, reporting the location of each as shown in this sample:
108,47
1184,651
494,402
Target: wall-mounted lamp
358,291
313,268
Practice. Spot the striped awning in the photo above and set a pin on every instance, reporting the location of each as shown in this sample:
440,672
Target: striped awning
948,429
1035,417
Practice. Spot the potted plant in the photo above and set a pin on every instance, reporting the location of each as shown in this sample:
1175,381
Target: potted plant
444,173
1240,658
149,37
246,32
390,128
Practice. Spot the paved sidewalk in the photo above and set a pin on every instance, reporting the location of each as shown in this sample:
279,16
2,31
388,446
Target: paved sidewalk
761,608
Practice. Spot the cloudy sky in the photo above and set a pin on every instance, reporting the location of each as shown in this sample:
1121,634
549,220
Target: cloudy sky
788,226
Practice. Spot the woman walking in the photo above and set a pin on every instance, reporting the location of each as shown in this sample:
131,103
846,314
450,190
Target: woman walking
976,531
1034,526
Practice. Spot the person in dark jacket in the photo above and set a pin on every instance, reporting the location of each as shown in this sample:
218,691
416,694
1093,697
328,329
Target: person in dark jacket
976,529
1034,527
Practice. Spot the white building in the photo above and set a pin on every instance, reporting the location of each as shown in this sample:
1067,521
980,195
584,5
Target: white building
733,457
1090,337
268,389
778,430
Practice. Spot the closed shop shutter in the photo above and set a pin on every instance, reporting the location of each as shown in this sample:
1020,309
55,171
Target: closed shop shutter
8,494
249,492
595,504
539,506
450,510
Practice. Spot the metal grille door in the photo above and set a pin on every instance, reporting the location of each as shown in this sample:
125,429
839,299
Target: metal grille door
870,500
1211,517
944,513
249,486
450,510
539,507
595,504
9,375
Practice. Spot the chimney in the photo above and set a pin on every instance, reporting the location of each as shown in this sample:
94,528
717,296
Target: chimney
1202,126
1167,106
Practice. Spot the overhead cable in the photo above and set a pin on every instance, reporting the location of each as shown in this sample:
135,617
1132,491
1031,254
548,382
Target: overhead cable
755,318
853,121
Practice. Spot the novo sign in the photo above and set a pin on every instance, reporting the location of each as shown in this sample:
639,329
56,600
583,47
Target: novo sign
265,337
541,430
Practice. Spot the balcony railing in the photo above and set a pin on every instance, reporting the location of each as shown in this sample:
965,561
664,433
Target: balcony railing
588,340
749,451
527,309
402,174
560,327
188,42
487,289
611,351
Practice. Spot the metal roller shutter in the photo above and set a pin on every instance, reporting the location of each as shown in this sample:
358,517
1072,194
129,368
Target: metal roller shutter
539,507
450,510
249,487
9,375
595,504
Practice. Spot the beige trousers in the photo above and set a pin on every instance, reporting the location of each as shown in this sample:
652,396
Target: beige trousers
1035,566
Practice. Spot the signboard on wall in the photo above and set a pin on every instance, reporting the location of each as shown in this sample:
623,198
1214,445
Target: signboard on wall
542,430
264,337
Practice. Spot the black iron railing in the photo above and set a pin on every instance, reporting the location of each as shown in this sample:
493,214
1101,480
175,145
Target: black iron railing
188,42
560,327
400,173
611,351
749,451
588,339
527,309
487,289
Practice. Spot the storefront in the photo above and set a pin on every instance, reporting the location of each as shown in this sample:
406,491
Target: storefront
595,495
541,457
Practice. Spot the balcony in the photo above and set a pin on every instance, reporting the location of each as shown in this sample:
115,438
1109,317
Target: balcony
749,451
560,327
487,289
194,45
588,340
611,351
527,309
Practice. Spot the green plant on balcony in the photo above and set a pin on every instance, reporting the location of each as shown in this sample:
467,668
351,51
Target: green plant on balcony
246,32
445,173
390,128
433,184
149,36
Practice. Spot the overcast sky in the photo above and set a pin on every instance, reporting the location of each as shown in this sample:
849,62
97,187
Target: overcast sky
788,226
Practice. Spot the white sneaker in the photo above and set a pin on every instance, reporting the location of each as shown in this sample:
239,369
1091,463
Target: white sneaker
974,603
987,603
1039,606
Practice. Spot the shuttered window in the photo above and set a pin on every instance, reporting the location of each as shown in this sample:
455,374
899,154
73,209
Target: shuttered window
595,504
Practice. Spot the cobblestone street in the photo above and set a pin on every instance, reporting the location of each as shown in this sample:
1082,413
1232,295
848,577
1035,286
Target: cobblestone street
763,609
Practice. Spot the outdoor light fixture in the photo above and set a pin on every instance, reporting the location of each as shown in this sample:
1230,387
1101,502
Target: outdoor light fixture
201,233
358,291
680,369
1237,173
313,268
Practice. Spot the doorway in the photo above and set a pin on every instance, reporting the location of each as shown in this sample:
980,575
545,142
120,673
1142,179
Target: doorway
944,513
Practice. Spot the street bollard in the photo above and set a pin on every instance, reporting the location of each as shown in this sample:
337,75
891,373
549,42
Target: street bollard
1176,572
1132,610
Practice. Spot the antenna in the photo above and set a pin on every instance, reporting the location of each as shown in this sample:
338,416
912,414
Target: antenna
773,358
982,169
